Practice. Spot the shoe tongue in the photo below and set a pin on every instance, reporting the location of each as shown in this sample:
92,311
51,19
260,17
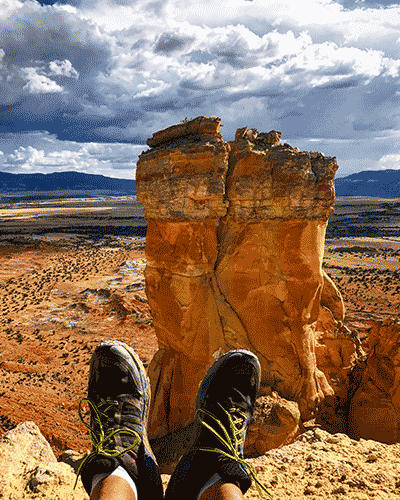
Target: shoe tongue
235,400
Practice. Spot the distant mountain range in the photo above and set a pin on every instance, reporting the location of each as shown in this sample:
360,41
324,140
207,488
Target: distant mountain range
375,183
64,181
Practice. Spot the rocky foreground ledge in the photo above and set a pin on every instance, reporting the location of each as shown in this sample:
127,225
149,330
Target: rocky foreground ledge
29,468
317,464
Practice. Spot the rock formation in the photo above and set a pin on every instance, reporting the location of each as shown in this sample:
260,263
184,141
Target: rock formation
181,183
29,469
375,408
316,464
269,267
276,423
234,247
321,465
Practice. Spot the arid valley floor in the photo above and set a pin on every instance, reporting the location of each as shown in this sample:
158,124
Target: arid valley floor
71,275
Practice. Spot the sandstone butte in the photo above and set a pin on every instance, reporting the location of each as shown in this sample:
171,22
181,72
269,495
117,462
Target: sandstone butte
234,247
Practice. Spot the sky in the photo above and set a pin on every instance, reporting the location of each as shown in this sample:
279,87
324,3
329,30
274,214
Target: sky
84,83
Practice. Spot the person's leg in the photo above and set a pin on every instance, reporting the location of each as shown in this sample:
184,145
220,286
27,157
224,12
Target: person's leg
222,491
121,465
224,406
113,488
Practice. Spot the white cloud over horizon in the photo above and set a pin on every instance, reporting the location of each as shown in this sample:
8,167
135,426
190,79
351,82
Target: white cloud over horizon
109,159
110,73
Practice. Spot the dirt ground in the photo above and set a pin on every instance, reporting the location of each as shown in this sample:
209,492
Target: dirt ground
65,286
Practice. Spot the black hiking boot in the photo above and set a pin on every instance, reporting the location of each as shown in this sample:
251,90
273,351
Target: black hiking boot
119,399
224,406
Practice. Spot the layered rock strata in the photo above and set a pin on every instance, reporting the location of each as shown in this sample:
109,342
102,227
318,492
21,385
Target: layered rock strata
234,247
269,267
181,183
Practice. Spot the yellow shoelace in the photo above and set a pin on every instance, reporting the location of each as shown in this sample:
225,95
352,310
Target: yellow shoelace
231,441
99,438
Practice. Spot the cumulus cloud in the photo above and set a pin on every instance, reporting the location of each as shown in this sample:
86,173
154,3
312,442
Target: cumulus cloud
40,46
197,67
63,68
37,83
112,71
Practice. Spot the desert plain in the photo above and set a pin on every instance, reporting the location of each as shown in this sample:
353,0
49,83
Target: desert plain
71,275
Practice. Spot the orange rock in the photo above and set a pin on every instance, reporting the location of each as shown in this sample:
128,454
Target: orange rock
269,266
271,181
30,470
234,247
181,185
335,351
375,407
332,298
276,423
272,137
200,127
183,180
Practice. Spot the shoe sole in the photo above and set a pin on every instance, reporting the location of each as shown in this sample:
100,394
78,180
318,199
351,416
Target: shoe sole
217,365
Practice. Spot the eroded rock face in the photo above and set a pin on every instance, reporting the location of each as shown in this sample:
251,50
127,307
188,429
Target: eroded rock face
332,299
181,183
269,267
234,247
337,351
375,407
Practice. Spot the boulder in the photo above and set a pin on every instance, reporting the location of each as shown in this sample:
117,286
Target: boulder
29,468
276,423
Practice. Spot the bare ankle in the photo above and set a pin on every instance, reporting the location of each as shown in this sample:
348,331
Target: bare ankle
222,491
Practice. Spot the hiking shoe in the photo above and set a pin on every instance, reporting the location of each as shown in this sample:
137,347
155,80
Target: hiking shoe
118,400
224,408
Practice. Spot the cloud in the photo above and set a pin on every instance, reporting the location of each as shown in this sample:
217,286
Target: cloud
168,43
390,162
63,68
37,83
113,72
52,155
38,78
198,67
42,46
